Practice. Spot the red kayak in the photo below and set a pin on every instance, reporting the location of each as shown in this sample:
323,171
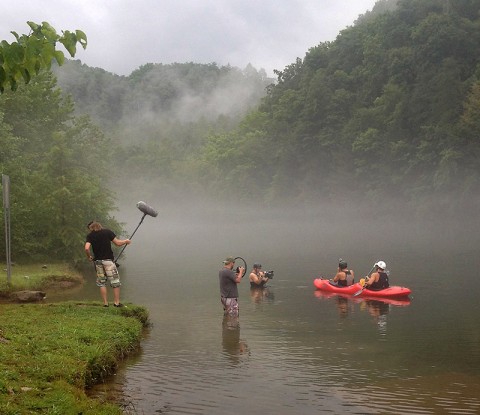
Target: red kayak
397,301
390,292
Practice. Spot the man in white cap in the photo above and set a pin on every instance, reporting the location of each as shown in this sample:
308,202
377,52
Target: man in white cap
379,279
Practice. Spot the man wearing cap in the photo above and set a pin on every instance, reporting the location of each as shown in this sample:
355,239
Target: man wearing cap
99,240
344,277
379,279
228,286
257,276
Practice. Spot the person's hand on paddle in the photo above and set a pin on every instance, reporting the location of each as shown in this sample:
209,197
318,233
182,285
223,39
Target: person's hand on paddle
363,281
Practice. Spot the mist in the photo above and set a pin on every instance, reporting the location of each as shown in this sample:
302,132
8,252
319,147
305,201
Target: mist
283,236
159,105
156,100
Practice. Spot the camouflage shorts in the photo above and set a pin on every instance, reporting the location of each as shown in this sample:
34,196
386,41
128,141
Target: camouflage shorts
230,306
107,271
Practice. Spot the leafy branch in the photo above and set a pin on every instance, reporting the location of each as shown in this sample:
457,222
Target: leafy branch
31,53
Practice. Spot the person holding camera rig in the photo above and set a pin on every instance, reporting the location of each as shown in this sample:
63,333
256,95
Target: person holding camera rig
259,278
228,286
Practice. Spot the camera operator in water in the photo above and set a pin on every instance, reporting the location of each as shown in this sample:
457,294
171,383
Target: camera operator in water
228,286
259,278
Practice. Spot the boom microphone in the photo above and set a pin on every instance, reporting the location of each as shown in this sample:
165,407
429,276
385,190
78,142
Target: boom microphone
148,210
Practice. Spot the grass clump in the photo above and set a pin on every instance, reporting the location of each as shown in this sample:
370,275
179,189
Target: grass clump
51,353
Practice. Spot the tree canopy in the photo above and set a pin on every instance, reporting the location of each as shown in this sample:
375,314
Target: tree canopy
31,53
386,110
58,166
386,115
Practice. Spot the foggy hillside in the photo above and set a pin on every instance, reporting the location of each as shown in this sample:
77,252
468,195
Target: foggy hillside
136,107
370,135
383,117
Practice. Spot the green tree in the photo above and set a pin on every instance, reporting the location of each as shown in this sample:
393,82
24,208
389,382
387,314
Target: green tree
30,53
58,166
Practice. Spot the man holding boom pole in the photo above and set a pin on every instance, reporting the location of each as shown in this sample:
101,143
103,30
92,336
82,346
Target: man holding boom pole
100,239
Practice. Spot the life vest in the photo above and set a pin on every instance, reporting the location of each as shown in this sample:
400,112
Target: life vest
382,282
347,281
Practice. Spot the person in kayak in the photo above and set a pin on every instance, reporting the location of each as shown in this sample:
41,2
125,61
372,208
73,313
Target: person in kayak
379,279
344,276
257,277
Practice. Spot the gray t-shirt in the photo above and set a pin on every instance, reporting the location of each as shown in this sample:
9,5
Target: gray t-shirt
228,286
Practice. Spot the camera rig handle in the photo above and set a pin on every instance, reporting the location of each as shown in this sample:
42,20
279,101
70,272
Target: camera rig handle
244,265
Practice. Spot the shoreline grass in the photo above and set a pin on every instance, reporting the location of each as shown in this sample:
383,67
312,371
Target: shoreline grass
51,353
38,277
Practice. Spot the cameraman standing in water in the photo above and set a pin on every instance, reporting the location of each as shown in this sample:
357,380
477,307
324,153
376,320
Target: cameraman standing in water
228,286
259,278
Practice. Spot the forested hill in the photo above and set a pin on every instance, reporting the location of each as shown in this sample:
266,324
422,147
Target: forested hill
387,114
388,110
137,106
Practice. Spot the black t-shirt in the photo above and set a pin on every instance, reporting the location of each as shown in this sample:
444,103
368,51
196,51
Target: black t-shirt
382,282
101,243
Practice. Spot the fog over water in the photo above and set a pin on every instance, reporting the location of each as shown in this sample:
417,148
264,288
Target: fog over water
190,227
301,243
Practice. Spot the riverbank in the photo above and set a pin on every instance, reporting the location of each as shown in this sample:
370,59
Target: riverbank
52,276
50,354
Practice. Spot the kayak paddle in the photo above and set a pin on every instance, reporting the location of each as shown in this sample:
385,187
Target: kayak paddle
364,285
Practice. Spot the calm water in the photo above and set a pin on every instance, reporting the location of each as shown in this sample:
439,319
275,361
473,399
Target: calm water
297,351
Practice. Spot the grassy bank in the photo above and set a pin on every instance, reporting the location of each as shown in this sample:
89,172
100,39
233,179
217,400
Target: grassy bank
38,277
50,354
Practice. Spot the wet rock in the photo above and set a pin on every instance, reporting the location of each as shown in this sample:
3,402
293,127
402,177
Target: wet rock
27,296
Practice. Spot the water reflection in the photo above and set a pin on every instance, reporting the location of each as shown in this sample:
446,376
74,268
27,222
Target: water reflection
376,307
344,306
378,310
233,347
261,294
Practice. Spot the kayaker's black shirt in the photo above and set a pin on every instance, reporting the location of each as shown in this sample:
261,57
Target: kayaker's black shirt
382,282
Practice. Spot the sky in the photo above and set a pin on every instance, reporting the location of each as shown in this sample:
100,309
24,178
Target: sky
125,34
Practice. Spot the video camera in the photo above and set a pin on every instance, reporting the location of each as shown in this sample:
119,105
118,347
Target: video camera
269,274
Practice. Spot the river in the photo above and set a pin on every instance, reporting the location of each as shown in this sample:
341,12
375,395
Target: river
295,350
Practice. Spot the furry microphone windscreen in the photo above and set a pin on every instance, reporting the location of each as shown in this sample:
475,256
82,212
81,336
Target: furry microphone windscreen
148,210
